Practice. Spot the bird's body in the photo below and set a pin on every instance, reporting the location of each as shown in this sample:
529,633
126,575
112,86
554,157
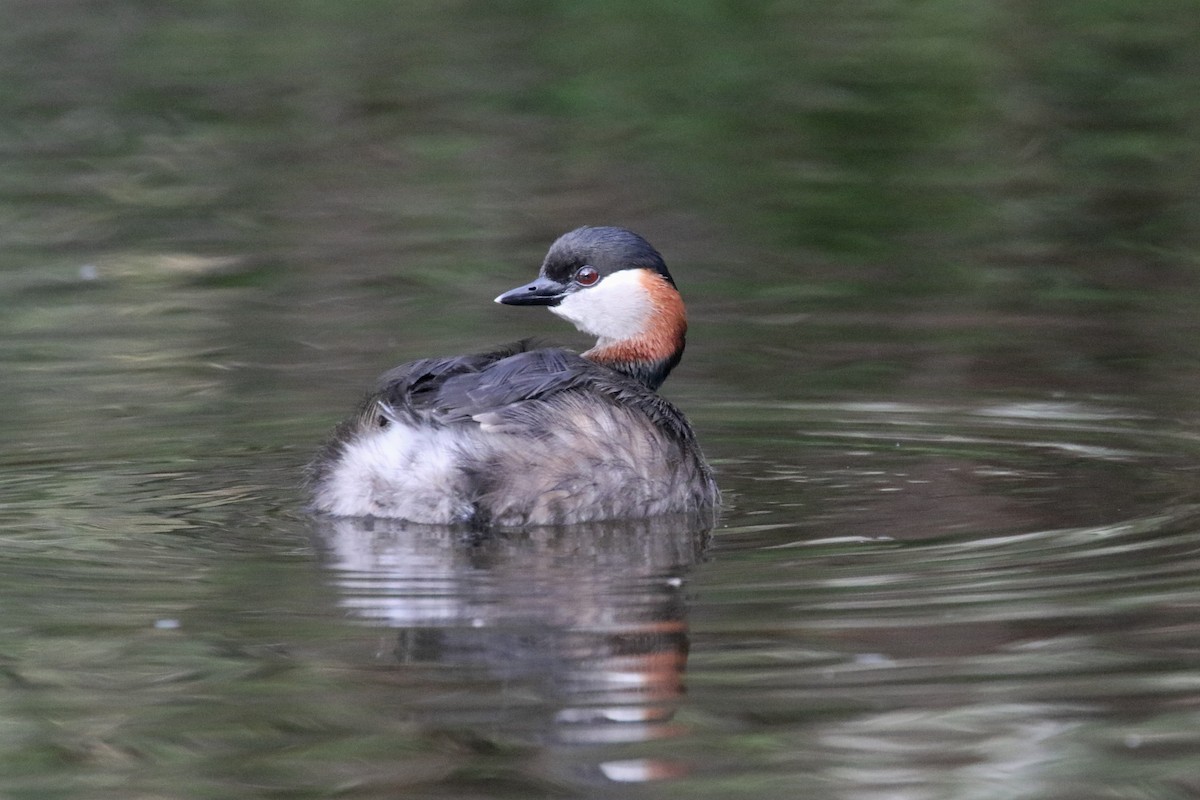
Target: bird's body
535,436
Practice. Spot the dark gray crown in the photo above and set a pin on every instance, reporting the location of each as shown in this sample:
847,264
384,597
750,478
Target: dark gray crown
608,249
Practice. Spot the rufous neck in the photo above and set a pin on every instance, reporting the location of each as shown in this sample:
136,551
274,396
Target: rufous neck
649,356
649,371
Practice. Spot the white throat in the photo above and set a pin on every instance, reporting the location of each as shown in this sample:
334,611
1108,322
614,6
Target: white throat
616,308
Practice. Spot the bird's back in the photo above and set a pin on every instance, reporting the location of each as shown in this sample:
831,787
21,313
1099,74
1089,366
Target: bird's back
515,436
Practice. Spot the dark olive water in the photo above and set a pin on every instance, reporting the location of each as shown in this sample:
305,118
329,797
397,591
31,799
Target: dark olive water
941,264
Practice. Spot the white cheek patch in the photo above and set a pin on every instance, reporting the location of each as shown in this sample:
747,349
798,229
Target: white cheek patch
616,308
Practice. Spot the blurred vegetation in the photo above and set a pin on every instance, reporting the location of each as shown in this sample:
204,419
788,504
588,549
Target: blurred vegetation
943,140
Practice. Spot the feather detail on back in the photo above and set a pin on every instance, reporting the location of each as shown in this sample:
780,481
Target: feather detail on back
539,436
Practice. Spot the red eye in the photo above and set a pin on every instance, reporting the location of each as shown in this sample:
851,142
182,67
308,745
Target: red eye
586,276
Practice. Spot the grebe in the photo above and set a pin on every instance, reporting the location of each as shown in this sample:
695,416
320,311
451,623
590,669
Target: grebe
523,436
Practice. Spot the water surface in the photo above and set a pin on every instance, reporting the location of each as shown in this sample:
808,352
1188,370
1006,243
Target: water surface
940,266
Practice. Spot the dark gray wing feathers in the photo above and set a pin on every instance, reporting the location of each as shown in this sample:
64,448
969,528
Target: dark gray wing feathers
504,385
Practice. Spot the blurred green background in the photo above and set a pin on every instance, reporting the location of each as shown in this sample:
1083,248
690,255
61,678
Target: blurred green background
930,145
